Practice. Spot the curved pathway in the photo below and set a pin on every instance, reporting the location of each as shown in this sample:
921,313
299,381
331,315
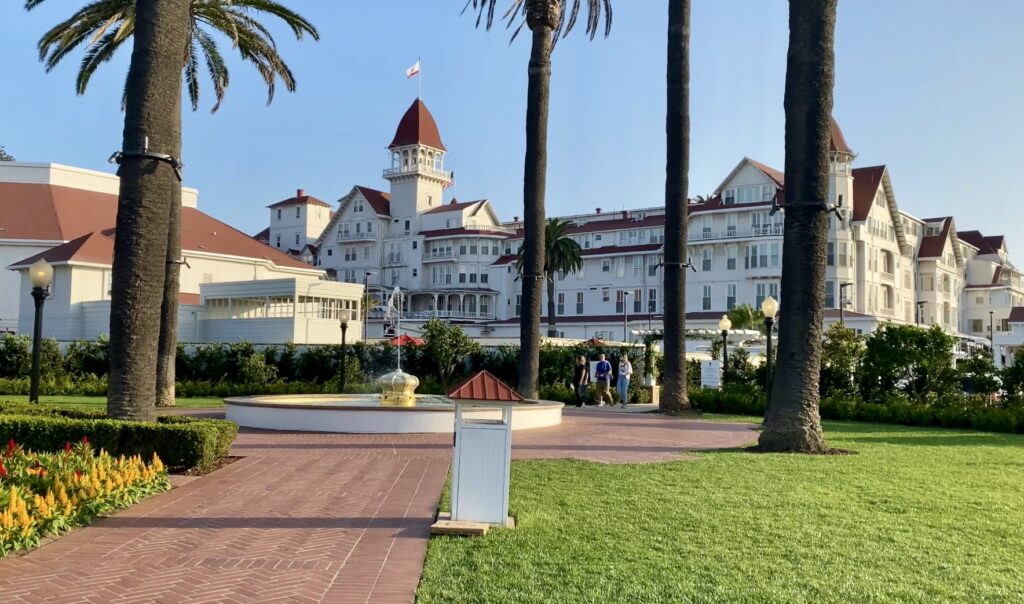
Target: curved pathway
311,517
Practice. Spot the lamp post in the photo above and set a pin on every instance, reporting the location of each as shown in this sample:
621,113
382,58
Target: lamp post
344,351
769,307
991,333
842,302
725,325
41,275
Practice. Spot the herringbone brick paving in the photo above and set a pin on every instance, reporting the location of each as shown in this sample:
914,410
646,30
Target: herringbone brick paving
309,518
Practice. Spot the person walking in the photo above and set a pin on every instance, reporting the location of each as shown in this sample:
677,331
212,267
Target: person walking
581,380
625,371
603,373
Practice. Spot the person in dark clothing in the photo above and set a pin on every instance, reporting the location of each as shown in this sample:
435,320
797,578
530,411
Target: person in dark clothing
581,380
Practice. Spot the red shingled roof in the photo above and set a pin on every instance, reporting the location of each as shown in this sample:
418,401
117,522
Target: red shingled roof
1017,314
263,236
996,241
865,186
477,230
93,248
417,127
837,142
484,387
933,245
300,199
776,175
453,206
976,239
378,200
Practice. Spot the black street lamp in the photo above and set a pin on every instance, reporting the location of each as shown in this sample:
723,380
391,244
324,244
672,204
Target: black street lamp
366,298
725,325
769,307
991,332
41,276
842,302
344,351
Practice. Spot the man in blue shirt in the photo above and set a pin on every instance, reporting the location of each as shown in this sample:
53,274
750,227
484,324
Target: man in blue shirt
603,375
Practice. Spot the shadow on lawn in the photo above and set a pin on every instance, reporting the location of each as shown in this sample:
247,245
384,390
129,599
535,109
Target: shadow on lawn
931,439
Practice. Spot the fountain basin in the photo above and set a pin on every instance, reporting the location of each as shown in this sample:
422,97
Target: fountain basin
368,414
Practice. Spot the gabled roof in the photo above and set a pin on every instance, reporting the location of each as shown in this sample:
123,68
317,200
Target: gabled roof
300,198
996,241
978,240
932,246
93,248
378,200
776,176
263,236
1017,314
417,127
865,187
484,387
454,206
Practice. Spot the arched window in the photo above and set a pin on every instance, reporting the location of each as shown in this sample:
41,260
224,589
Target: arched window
945,313
405,158
438,161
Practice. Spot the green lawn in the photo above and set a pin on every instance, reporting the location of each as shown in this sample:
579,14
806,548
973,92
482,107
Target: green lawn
100,402
919,515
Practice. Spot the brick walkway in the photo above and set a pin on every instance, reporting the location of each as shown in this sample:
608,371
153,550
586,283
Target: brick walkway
309,517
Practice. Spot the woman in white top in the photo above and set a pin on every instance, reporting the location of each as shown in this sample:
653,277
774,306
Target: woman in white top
625,371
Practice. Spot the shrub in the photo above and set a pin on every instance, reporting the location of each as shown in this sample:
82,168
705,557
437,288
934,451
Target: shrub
84,357
182,442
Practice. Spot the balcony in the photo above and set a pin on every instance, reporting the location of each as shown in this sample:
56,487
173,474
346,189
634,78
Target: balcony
417,169
394,259
455,285
769,230
888,276
439,255
353,236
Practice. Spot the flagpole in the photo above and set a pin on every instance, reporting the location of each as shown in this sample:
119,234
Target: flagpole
398,330
419,78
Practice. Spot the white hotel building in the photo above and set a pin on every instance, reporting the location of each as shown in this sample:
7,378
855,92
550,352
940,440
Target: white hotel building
455,260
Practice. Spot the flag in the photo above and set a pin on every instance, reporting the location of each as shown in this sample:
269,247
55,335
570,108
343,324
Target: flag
450,182
414,70
394,303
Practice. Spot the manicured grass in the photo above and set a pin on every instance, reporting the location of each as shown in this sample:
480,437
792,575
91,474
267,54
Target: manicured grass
919,515
100,402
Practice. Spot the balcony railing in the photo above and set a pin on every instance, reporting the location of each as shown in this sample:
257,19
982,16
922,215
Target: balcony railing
770,230
439,255
353,236
394,258
888,276
448,314
418,169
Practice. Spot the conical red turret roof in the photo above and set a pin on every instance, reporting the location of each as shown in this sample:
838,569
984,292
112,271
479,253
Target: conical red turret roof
417,127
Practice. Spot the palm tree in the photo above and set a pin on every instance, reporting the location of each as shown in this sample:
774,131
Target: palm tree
562,255
793,423
148,188
677,131
547,20
4,155
104,25
746,316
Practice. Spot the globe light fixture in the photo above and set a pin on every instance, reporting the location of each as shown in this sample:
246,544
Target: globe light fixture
40,274
770,308
724,324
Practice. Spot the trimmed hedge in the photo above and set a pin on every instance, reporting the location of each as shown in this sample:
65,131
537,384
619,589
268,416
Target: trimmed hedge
954,411
181,442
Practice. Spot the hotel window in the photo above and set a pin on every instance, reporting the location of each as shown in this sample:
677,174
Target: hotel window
298,211
830,294
831,255
730,225
357,206
620,301
775,254
485,305
652,301
606,265
494,250
330,251
278,243
605,294
977,326
652,266
638,266
462,274
369,227
706,298
359,228
579,303
462,246
296,239
620,267
560,307
483,278
730,258
279,213
473,248
706,223
945,313
730,296
730,197
706,259
519,304
638,301
760,295
415,272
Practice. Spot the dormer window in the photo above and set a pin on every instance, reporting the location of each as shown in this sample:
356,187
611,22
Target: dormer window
729,197
358,206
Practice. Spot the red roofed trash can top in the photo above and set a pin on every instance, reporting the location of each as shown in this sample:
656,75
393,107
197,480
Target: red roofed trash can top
483,451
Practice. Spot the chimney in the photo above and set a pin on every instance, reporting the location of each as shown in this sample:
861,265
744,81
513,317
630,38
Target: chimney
625,214
515,219
300,193
597,211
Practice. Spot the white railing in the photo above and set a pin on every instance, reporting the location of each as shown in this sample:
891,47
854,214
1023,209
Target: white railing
418,169
351,236
438,255
394,258
447,314
770,230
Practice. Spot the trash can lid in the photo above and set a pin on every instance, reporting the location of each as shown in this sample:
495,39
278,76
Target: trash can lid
484,387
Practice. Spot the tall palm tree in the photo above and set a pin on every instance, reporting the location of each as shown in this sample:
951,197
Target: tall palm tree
793,423
677,131
547,20
4,155
745,316
562,255
147,191
104,25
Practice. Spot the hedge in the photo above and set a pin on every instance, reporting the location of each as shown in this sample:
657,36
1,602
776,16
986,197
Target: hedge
953,411
181,442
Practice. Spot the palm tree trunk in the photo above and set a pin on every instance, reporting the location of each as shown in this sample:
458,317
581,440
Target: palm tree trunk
677,130
552,329
542,16
168,347
793,423
153,112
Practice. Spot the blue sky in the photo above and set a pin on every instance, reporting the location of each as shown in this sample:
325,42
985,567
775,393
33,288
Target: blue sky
931,88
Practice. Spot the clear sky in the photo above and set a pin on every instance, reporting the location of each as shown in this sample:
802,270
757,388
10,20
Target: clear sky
933,88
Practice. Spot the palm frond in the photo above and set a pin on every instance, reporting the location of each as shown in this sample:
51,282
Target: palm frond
516,15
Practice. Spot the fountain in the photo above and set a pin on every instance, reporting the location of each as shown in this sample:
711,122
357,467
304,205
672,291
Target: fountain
397,409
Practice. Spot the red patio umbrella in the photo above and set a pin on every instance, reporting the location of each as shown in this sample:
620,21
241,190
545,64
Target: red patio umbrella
406,340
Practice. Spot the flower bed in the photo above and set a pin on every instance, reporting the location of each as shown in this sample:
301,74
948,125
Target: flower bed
45,494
